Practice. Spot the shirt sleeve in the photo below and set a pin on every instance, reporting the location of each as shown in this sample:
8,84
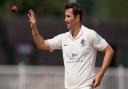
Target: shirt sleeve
98,42
55,42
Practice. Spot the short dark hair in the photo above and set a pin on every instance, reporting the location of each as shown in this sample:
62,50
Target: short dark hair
77,9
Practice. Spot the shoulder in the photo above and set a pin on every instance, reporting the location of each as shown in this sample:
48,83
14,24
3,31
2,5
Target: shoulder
88,32
61,36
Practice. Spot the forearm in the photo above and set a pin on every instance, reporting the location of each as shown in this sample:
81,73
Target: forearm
107,60
38,39
105,65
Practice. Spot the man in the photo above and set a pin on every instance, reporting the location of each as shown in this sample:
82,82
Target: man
79,47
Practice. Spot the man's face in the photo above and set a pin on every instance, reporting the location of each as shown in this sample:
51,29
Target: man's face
70,19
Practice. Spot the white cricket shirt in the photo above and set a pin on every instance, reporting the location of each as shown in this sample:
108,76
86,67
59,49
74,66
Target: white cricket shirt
79,55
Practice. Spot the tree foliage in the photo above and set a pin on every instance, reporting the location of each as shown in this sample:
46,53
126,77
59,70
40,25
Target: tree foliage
42,7
110,9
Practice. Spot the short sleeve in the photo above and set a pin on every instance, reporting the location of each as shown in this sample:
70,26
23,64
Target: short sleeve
55,42
98,42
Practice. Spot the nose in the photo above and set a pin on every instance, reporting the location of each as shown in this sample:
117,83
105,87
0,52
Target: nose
65,19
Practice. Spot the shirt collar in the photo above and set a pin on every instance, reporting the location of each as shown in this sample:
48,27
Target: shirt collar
79,34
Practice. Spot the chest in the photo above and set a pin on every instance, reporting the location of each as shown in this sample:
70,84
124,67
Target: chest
76,47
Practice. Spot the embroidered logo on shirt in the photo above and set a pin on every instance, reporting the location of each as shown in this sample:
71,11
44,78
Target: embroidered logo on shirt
83,43
74,58
65,45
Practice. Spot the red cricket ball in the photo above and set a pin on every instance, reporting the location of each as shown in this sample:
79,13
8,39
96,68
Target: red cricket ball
14,9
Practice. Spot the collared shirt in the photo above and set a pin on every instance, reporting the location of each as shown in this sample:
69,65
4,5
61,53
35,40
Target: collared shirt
79,55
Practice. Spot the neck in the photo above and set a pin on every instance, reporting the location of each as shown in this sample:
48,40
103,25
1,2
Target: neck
76,30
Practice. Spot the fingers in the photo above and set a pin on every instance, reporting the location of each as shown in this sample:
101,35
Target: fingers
95,83
31,14
29,17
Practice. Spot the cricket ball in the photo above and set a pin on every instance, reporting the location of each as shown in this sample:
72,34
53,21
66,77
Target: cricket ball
14,8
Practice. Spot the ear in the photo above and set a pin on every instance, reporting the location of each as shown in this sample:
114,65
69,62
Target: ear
77,17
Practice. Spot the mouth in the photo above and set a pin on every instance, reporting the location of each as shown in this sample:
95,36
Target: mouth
67,24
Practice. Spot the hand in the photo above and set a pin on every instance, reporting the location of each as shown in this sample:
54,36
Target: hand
32,18
97,80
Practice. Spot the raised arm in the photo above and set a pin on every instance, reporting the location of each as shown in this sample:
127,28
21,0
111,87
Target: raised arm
38,39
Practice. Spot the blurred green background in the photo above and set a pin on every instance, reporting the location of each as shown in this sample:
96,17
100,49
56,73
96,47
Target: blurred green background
100,9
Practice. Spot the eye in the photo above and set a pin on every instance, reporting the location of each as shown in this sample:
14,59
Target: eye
68,16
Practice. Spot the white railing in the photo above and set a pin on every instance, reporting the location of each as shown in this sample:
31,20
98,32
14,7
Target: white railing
52,77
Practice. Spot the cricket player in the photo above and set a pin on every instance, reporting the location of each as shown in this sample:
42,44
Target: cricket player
79,47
